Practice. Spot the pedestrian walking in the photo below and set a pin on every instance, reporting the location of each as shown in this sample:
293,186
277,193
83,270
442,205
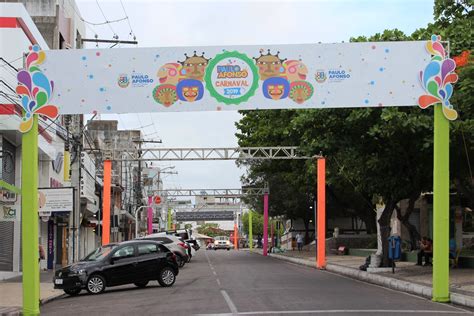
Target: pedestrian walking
299,241
259,241
41,253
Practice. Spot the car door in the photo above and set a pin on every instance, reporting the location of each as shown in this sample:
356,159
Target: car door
149,255
122,268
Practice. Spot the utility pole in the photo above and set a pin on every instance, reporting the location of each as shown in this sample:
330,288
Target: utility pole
74,127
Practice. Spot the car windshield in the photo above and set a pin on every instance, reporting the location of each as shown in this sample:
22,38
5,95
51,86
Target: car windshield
100,253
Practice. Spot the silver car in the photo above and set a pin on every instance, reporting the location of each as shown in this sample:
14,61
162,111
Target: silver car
173,243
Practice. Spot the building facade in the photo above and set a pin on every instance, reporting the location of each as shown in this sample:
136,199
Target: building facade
51,25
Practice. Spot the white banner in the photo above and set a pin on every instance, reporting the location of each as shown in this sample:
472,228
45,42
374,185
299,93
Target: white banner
129,80
55,200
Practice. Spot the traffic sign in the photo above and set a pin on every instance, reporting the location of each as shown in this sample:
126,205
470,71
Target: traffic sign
157,199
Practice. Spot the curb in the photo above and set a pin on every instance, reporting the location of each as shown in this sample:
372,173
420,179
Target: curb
392,283
52,298
17,310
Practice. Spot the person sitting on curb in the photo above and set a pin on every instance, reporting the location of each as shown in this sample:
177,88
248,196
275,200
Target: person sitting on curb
426,250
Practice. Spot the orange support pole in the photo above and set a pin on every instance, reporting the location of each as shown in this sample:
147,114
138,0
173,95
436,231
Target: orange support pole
236,237
106,202
321,255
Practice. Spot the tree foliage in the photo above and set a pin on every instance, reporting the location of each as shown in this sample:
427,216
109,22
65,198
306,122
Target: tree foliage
212,230
371,153
257,223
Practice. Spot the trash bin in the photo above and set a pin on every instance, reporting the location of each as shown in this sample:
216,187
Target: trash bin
394,249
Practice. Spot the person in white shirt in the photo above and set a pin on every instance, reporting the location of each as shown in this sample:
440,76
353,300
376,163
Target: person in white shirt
299,241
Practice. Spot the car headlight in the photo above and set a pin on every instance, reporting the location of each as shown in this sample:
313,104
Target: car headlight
77,272
216,242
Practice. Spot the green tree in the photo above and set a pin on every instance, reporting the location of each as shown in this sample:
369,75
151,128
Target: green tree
211,230
371,153
257,223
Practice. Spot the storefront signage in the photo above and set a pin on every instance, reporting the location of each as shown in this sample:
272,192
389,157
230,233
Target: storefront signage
8,212
55,200
7,197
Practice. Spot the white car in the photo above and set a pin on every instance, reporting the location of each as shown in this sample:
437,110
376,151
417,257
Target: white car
222,242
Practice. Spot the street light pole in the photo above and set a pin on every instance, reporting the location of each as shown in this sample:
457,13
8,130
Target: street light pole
150,211
136,218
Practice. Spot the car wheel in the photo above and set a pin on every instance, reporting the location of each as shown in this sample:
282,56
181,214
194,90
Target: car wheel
95,284
72,292
180,261
228,249
167,277
141,284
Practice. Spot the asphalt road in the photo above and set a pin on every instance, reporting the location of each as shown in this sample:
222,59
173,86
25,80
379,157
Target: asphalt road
241,283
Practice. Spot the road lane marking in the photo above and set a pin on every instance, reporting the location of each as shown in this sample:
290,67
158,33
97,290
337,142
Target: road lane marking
229,302
213,270
335,311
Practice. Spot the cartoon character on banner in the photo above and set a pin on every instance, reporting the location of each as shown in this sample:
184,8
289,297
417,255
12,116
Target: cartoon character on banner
269,65
194,67
283,78
301,91
165,94
170,74
181,80
296,73
295,70
276,88
35,90
437,79
190,90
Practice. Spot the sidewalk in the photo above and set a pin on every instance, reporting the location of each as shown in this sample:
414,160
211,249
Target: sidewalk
11,298
407,278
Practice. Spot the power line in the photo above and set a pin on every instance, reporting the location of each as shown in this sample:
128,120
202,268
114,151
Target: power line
128,21
95,23
103,14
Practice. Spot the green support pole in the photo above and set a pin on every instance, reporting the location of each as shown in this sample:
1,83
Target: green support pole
29,220
250,231
441,207
169,219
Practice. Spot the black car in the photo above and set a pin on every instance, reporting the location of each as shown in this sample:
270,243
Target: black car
128,262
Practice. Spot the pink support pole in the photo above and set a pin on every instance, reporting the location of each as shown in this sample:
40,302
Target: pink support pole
265,224
149,217
321,215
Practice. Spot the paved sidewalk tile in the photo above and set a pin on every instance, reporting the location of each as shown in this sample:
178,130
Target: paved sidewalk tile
11,298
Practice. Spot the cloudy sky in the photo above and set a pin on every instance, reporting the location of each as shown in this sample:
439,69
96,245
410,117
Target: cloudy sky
197,23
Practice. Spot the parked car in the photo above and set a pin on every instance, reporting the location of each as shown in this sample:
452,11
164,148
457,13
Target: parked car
222,242
136,262
177,246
